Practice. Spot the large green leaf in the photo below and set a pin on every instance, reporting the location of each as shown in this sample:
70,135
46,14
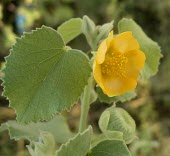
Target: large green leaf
110,148
148,46
78,146
110,100
70,29
43,77
57,127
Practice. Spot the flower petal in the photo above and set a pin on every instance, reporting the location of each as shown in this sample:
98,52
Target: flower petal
98,74
114,86
136,61
125,42
104,46
100,56
109,39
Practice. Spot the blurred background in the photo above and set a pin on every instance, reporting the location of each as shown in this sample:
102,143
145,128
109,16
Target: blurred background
150,109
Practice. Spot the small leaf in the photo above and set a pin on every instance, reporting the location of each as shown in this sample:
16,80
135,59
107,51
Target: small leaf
117,119
148,46
95,34
122,98
44,147
88,29
78,146
57,127
110,148
42,77
103,32
70,29
88,26
111,135
107,135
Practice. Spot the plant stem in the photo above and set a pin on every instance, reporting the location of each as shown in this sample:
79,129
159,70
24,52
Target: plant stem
85,105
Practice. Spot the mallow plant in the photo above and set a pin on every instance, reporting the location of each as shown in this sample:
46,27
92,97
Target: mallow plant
43,77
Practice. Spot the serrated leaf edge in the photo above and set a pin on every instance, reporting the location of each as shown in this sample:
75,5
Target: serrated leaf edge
13,137
63,146
25,34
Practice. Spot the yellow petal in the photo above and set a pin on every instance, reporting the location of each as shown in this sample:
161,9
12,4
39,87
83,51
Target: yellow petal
114,86
136,61
97,74
125,42
109,39
104,46
122,76
100,56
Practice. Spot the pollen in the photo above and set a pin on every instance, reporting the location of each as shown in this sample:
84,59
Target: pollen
114,65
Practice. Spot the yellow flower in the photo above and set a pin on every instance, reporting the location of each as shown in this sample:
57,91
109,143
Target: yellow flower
118,63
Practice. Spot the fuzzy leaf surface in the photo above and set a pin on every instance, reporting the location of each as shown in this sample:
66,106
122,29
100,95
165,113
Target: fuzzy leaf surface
42,77
45,146
78,146
70,29
110,148
118,119
57,127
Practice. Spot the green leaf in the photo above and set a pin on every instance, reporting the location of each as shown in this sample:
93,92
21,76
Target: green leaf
42,77
57,127
103,32
148,46
70,29
111,135
107,135
117,119
122,98
88,26
89,30
95,34
46,146
110,148
78,146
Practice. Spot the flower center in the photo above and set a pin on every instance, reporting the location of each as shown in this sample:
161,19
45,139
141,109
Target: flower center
114,65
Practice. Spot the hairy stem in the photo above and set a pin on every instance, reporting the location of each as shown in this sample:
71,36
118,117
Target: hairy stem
85,105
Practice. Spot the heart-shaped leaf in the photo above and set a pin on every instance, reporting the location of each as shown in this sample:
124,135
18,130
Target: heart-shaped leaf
43,77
